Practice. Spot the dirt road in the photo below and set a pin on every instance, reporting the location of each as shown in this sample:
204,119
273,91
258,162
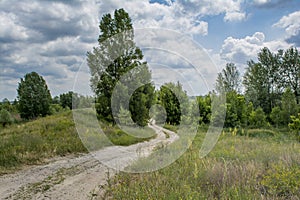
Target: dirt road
78,177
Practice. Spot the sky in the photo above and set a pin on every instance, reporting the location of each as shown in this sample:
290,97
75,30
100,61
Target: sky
189,41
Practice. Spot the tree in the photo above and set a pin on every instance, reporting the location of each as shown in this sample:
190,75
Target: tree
261,80
229,79
33,96
236,110
290,71
204,109
289,105
140,104
69,100
116,56
175,100
5,117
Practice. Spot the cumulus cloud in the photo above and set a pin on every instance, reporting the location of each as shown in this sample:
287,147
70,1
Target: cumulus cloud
242,50
234,16
291,24
10,29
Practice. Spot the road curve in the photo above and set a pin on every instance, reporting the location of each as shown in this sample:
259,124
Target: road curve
78,177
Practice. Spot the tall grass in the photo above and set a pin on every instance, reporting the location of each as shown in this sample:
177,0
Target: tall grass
33,142
239,167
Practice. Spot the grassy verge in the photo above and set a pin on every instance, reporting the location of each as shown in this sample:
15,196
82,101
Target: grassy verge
120,137
239,167
33,142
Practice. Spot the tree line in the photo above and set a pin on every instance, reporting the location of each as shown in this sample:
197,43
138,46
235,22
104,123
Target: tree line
34,100
271,89
267,94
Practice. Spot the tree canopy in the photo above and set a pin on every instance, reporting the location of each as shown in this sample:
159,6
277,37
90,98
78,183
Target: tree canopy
116,56
33,96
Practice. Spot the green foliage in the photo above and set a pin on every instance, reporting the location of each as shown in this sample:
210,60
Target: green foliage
116,55
119,137
257,118
276,116
31,142
33,96
124,117
229,79
57,108
140,104
236,110
265,80
295,125
233,170
204,108
69,100
289,105
56,135
172,97
290,71
282,181
5,117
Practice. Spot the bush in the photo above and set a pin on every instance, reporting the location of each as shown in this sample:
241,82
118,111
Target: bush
5,117
257,118
295,125
282,181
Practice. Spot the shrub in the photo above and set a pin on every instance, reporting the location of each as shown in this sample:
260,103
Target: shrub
295,125
5,117
282,181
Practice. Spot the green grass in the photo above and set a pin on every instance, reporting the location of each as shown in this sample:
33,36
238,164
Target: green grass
33,142
120,137
239,167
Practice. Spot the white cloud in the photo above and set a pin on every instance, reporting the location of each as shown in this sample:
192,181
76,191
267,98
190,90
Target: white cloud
234,16
242,50
260,2
290,23
10,30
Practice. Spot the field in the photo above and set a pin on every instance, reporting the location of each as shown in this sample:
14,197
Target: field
256,166
245,164
33,142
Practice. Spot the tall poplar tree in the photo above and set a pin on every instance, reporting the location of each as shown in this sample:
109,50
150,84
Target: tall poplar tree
116,56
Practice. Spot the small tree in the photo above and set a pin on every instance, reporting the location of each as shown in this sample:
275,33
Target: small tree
5,117
34,96
257,118
124,117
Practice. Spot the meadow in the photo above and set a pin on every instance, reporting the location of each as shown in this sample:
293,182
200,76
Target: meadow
33,142
253,166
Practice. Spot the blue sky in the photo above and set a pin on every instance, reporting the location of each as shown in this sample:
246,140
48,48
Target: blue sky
52,37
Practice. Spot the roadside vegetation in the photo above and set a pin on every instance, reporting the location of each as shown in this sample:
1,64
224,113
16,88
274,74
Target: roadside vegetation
33,142
256,157
239,167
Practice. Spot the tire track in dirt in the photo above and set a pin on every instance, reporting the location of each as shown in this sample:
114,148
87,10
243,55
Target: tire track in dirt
78,177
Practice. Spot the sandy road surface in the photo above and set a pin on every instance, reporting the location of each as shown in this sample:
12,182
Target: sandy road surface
77,177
